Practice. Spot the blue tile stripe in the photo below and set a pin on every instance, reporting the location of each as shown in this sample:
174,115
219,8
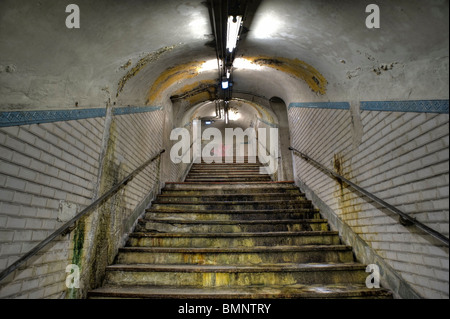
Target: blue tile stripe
421,106
17,118
135,109
268,123
322,105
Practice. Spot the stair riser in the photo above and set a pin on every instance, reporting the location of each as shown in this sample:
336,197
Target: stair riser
231,206
183,228
255,170
233,188
226,171
235,279
227,176
199,242
229,173
234,258
246,191
206,199
237,215
226,165
227,179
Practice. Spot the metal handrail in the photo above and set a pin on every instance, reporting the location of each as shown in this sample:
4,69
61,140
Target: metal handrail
66,227
405,219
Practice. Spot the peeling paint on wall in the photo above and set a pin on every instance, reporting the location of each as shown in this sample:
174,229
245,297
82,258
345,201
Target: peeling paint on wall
384,67
197,92
296,68
149,58
126,65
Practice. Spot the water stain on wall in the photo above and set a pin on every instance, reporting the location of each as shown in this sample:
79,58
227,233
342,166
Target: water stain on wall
348,207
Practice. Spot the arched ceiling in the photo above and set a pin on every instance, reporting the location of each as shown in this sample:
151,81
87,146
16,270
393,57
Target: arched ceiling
144,52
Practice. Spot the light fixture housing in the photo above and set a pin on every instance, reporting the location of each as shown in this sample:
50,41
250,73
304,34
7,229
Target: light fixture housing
234,24
225,85
228,73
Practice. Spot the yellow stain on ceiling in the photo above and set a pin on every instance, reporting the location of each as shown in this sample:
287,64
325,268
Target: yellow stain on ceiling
173,76
296,68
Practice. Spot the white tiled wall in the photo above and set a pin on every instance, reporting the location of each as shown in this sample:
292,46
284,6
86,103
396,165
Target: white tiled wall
43,164
402,158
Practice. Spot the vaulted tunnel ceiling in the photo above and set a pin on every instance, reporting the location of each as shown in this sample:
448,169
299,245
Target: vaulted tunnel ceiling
145,52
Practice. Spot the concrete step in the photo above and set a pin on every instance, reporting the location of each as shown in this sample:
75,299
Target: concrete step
240,179
229,188
212,214
237,170
298,291
230,176
200,226
220,240
200,170
224,169
224,163
229,197
235,255
181,185
232,205
235,275
213,192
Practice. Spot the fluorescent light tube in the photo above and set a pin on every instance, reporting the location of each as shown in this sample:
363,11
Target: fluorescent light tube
233,32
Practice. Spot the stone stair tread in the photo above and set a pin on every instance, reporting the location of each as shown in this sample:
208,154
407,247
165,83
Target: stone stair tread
296,291
232,195
253,234
224,169
279,267
236,202
232,183
234,222
254,249
250,211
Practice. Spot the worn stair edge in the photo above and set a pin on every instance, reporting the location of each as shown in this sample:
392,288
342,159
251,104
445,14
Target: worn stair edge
237,195
218,250
164,225
256,292
234,256
261,268
235,222
232,183
276,211
228,235
296,201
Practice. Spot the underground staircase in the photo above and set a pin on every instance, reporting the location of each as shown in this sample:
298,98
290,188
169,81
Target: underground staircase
229,232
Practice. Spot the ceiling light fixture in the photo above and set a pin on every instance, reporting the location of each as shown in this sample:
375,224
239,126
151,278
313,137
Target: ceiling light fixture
234,24
225,84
